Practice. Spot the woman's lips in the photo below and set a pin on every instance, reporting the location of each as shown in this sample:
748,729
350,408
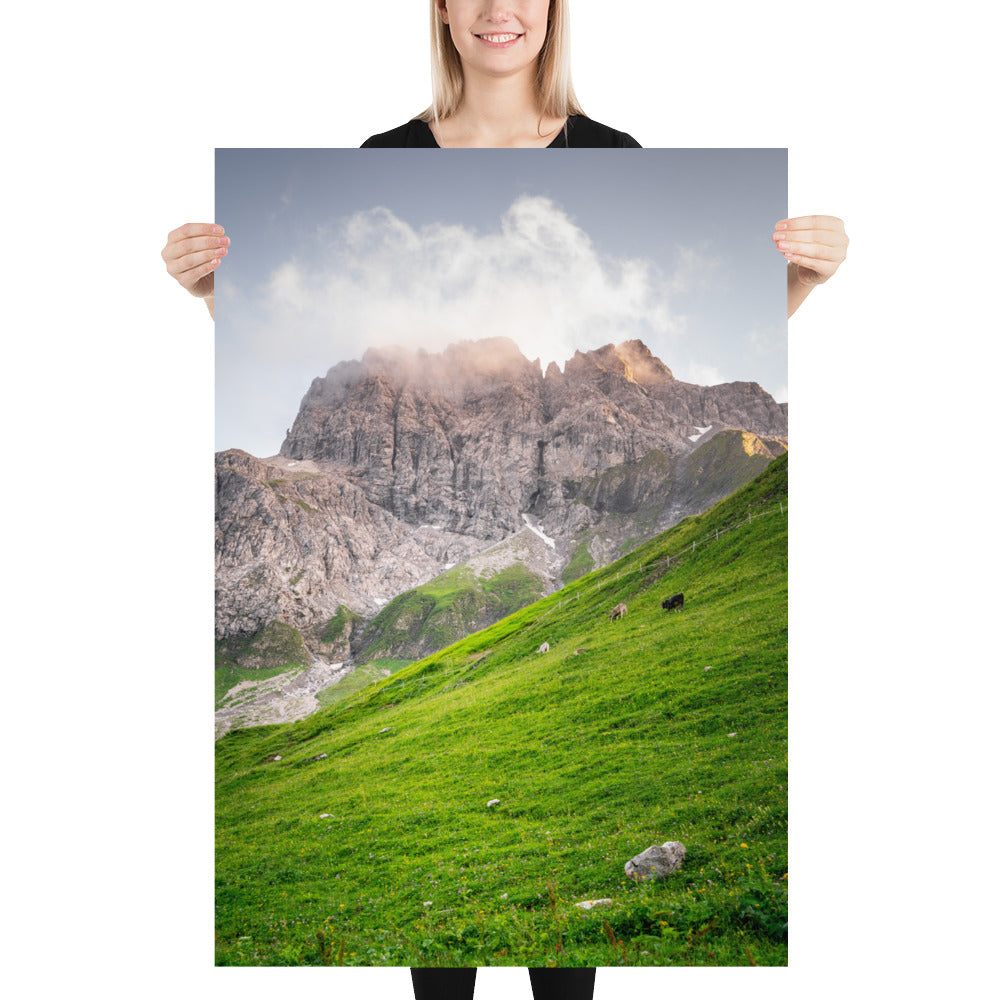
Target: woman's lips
499,39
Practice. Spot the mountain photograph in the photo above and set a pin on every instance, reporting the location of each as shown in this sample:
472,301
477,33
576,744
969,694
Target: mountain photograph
501,600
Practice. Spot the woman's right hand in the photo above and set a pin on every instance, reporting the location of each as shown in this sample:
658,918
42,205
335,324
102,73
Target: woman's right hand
193,253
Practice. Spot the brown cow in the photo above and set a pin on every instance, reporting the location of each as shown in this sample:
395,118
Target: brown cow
618,611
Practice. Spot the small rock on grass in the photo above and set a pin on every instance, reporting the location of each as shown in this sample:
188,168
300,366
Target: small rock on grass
492,802
657,861
589,904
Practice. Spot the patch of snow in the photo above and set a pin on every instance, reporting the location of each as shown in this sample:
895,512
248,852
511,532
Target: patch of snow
449,565
701,431
380,601
541,534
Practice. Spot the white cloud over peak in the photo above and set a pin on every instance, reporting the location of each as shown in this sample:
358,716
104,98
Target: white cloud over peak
537,278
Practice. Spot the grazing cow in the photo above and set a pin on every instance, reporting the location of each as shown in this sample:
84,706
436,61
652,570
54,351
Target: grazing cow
543,648
618,611
673,603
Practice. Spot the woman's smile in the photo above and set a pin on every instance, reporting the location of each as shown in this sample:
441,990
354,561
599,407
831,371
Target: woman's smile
499,40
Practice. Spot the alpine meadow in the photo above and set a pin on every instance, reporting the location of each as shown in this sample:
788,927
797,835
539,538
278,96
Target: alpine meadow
456,812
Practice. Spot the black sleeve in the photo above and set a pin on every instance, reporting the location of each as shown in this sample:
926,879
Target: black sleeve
414,133
583,133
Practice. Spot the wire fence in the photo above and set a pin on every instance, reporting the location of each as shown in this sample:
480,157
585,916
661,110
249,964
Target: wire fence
668,561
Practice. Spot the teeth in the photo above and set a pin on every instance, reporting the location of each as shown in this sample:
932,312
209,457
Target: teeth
499,39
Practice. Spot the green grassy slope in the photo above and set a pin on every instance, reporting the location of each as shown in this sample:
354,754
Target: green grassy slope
456,602
666,727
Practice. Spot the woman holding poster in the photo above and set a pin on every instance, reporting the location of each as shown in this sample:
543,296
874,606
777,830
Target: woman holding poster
501,79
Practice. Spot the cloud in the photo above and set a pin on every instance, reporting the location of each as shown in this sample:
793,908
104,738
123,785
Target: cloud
698,269
698,373
767,340
536,278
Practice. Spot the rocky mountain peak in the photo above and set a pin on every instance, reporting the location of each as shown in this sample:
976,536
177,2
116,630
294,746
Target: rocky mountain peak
632,360
641,365
405,463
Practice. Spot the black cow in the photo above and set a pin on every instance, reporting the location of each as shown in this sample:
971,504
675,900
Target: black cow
673,603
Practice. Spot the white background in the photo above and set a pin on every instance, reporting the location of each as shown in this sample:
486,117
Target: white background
114,110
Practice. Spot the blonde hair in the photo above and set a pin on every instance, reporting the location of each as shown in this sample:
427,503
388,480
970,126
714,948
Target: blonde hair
555,88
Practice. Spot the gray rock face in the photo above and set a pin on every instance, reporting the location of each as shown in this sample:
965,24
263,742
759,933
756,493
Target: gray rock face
657,861
471,438
278,699
405,463
293,545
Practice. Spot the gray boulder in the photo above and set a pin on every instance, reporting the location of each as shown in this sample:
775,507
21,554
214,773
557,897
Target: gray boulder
657,861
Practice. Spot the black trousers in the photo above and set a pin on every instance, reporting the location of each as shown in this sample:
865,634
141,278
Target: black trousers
546,984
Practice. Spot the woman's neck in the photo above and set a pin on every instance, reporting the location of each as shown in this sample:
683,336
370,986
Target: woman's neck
497,112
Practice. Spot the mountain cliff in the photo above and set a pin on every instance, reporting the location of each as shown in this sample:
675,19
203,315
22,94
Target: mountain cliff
407,465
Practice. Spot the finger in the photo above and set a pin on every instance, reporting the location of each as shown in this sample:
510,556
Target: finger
817,250
182,267
818,236
191,278
195,229
180,248
187,231
825,222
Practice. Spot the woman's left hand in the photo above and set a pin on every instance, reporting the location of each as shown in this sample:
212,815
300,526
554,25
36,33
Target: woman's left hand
815,244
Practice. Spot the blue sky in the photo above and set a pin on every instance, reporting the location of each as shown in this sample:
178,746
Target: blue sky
337,250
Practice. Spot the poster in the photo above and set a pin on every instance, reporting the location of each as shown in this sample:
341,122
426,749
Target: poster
99,327
460,402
